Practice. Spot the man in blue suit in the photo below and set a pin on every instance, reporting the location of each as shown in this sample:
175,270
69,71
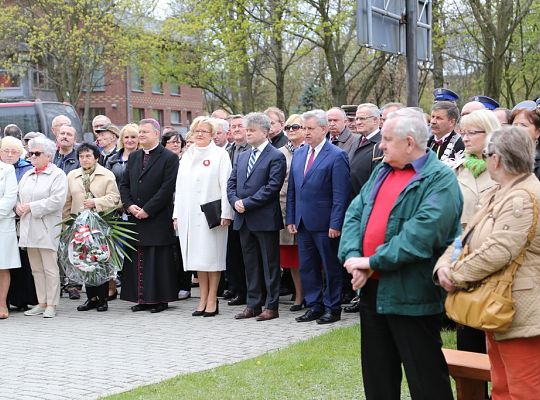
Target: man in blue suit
317,198
253,191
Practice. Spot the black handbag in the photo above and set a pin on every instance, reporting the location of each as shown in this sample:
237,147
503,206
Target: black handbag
212,212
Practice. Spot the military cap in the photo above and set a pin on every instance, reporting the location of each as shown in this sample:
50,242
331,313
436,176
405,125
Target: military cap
442,94
488,102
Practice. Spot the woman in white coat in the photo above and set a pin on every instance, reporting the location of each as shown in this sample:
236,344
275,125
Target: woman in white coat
42,194
8,235
202,178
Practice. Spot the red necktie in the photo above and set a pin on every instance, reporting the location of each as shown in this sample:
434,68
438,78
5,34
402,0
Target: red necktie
438,142
363,141
310,161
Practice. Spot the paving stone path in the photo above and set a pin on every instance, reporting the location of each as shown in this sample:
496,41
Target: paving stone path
86,355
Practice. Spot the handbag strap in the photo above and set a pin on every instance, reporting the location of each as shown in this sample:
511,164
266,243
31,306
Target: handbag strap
510,272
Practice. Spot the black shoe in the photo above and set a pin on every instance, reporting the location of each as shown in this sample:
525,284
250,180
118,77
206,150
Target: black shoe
102,306
228,294
329,317
141,307
353,308
237,301
74,293
197,313
310,315
88,305
296,307
113,296
159,307
347,297
213,313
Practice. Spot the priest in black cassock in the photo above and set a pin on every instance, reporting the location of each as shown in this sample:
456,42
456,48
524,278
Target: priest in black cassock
150,277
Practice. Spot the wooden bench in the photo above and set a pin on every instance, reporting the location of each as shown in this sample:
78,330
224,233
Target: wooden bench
470,371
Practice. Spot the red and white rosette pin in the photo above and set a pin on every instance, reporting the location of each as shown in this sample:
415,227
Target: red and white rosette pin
206,163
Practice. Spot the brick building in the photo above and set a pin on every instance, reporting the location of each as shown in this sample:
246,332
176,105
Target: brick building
129,97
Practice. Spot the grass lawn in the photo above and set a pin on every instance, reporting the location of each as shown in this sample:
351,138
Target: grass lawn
325,367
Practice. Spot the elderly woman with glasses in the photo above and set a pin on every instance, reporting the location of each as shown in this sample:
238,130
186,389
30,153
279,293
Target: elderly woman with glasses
42,194
474,180
21,284
495,237
288,248
202,178
8,236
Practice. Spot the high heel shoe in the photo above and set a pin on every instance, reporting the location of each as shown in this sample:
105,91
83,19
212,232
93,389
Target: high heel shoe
213,313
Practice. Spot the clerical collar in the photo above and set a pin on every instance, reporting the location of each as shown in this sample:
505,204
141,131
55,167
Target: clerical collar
150,150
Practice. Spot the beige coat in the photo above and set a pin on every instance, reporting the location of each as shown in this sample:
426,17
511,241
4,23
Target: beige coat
500,231
46,195
285,238
102,185
472,189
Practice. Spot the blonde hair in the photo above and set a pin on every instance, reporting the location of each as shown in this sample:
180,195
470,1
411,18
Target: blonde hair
294,118
11,141
202,120
483,119
129,128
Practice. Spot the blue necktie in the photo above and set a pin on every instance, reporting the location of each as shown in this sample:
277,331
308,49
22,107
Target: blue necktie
251,161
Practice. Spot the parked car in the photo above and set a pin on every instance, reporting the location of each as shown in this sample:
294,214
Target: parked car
37,116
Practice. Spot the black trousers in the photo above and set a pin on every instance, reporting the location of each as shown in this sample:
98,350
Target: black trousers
236,271
101,291
388,341
261,254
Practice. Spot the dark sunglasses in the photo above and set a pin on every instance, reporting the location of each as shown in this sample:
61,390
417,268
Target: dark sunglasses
35,153
293,127
487,154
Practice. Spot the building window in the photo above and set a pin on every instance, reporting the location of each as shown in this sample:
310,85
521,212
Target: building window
188,117
176,119
138,114
92,112
8,80
40,80
158,116
175,89
137,79
98,79
157,87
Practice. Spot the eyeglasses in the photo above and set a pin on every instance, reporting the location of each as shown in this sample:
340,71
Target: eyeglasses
35,153
472,133
293,127
10,151
364,118
487,153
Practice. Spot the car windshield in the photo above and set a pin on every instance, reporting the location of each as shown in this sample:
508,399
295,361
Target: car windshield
24,117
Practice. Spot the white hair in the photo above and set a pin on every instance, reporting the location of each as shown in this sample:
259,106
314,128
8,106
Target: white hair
317,115
411,123
47,145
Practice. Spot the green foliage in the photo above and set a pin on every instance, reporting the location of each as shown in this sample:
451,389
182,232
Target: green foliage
70,39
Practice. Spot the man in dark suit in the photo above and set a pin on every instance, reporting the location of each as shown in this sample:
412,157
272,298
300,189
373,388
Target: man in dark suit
276,136
150,277
340,135
366,153
236,270
445,142
317,197
253,191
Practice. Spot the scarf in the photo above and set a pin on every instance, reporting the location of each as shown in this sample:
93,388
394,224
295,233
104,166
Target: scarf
86,179
475,165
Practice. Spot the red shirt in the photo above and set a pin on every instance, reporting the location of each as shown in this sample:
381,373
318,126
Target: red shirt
395,182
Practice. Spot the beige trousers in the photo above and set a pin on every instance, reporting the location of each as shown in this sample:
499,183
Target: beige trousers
46,275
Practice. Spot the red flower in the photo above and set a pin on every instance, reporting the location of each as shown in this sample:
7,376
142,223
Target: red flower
81,256
93,258
104,247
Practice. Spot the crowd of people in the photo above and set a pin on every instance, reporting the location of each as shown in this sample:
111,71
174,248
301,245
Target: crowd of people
320,204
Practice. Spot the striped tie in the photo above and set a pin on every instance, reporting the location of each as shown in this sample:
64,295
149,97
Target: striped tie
251,161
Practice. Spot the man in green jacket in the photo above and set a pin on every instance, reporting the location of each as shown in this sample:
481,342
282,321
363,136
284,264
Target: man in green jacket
394,232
